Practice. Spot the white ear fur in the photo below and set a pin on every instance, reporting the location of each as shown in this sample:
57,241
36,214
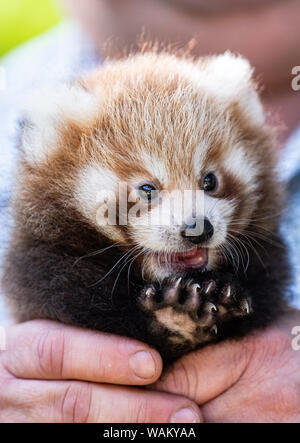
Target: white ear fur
230,78
47,111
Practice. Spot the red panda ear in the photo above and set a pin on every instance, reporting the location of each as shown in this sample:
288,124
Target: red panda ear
229,79
47,112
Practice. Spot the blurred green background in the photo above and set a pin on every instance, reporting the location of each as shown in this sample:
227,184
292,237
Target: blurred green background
22,19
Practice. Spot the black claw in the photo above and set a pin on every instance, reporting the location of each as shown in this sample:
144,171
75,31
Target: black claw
210,307
214,330
150,292
192,297
177,283
227,292
246,307
209,287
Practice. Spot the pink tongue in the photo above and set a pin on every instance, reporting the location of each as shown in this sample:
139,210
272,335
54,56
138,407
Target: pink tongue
198,259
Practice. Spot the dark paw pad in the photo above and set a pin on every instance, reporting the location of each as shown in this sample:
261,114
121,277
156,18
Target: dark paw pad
192,311
180,308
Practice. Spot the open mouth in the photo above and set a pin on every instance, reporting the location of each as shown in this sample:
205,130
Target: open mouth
195,258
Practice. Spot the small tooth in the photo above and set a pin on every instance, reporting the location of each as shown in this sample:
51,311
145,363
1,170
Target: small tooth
214,329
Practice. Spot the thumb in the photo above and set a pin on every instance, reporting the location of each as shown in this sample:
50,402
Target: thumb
207,373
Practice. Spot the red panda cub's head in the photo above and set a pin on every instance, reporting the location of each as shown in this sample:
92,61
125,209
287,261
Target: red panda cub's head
166,157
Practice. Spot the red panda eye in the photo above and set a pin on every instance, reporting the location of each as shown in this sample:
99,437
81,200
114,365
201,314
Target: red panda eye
210,182
148,192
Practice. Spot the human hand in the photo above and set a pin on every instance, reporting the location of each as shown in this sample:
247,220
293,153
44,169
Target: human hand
255,379
56,373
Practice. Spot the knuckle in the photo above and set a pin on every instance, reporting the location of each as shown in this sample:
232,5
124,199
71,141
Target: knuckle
50,352
76,403
183,379
141,412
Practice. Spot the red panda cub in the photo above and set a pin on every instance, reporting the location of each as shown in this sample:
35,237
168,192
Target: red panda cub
101,157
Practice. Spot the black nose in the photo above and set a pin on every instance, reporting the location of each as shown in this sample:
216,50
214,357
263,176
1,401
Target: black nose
208,232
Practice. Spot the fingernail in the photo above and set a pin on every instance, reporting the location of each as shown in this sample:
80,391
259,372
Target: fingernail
143,365
185,415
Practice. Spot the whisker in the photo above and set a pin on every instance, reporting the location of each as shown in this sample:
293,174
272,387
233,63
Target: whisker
250,244
98,252
112,268
127,260
237,252
242,248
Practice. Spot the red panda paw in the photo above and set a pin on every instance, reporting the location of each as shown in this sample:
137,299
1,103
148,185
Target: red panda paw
190,311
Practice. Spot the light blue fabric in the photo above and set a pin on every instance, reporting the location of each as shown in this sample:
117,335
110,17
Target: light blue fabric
291,222
59,56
